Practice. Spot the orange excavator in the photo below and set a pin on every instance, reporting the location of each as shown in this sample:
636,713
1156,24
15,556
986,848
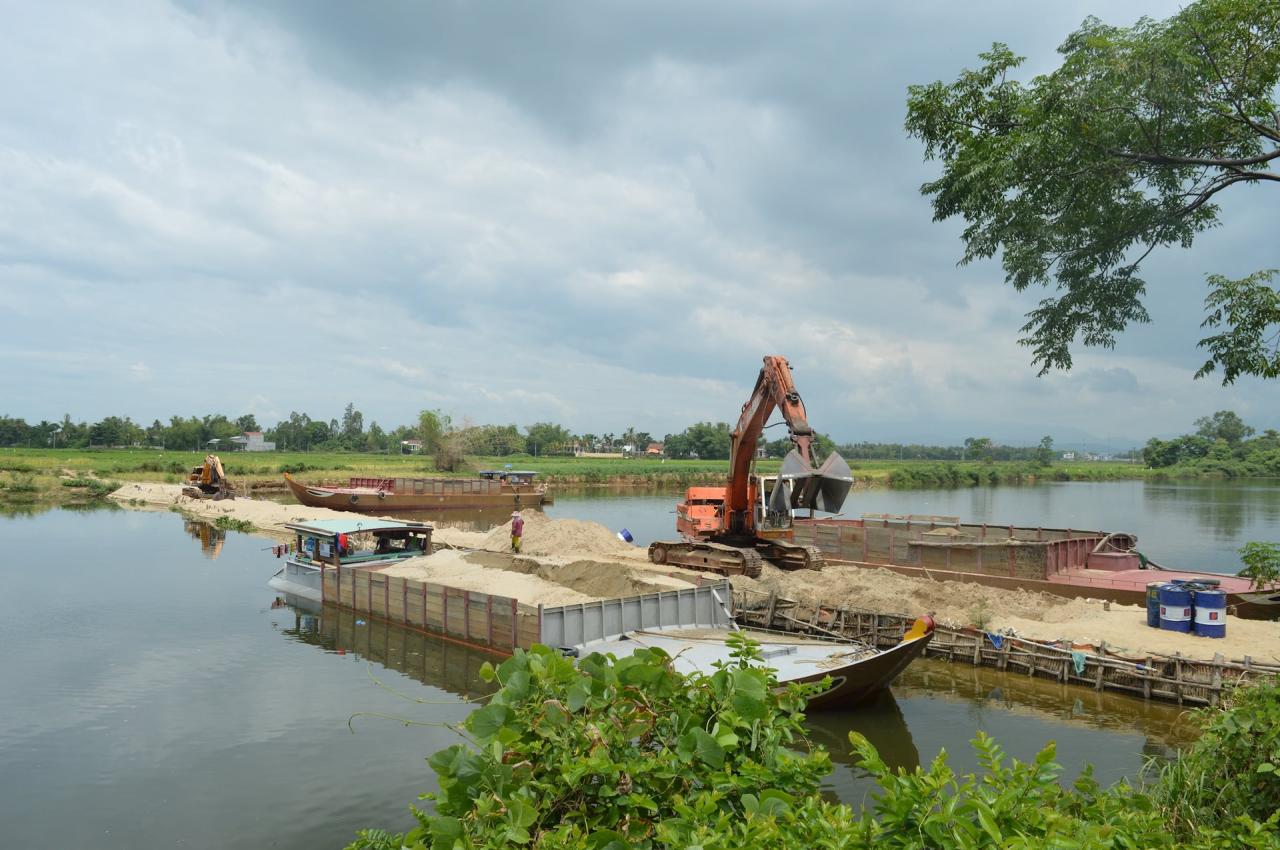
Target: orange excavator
208,481
735,528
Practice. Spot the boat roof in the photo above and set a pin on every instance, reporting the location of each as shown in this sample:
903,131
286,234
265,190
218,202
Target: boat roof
328,527
791,659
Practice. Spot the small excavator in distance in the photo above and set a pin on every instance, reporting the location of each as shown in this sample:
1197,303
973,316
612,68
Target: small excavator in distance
208,481
733,529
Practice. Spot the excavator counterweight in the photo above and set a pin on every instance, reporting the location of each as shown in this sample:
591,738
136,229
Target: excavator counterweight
733,529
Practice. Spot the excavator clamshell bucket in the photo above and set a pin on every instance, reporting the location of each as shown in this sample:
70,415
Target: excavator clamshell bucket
835,480
821,489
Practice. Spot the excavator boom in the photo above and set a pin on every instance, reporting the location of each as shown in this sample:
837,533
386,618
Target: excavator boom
723,530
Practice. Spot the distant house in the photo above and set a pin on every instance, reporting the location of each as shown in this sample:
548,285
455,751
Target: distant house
583,450
251,441
1068,455
762,452
653,450
410,447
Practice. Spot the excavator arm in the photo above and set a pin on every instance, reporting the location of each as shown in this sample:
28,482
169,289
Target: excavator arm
774,390
724,538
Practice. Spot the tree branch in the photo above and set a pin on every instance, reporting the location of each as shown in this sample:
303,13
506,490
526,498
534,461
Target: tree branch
1170,159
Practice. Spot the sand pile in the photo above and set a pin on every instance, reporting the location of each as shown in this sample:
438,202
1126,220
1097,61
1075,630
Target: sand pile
267,517
456,569
951,602
599,578
546,536
1032,615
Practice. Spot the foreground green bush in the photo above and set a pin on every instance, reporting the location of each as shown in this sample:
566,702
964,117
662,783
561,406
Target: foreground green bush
606,755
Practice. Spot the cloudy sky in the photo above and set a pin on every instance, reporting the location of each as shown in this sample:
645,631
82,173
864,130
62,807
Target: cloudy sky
599,214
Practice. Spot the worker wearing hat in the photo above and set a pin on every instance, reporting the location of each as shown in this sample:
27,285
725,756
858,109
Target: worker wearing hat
517,530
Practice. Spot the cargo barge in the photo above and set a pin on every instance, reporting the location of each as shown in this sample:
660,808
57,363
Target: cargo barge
1062,561
509,489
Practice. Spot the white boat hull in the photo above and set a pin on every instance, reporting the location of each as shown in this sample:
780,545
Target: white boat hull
302,580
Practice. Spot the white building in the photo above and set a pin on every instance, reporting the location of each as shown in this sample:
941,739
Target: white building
251,441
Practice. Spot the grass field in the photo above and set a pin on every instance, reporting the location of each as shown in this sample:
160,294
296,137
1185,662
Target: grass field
42,477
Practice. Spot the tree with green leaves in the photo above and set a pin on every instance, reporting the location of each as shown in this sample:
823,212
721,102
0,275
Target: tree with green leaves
1076,176
432,424
1044,452
1224,425
977,448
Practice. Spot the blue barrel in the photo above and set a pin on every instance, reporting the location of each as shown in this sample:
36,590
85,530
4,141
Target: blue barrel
1175,608
1211,613
625,536
1153,604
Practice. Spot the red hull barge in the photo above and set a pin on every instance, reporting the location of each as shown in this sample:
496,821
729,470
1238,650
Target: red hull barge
510,490
1066,562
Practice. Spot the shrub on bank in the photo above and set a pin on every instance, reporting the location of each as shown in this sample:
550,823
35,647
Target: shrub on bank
228,523
606,755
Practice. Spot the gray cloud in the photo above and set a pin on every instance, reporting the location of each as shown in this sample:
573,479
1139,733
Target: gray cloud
601,214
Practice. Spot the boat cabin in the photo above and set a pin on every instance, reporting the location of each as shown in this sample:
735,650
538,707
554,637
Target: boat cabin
355,542
510,476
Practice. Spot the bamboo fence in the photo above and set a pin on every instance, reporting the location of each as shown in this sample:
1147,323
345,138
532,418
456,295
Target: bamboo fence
1154,676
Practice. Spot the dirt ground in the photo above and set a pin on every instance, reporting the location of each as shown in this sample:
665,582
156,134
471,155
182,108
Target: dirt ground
569,560
1031,615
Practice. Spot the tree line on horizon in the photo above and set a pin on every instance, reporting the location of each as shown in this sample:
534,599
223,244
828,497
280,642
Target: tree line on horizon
448,440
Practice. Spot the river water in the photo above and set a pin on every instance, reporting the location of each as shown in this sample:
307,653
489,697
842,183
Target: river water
1181,525
153,695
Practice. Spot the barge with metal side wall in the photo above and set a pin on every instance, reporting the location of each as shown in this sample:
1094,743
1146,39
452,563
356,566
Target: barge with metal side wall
509,489
1062,561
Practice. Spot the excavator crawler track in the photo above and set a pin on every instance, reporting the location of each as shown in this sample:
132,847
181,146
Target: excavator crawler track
792,556
708,557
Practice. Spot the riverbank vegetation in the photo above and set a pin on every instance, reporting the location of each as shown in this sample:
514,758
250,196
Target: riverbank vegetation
61,466
608,755
1222,446
66,476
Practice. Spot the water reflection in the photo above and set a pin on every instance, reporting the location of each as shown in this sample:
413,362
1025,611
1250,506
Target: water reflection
211,538
1221,508
991,691
880,721
425,658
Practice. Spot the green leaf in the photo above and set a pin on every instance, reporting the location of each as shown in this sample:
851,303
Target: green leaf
707,749
517,685
607,839
987,820
485,722
579,694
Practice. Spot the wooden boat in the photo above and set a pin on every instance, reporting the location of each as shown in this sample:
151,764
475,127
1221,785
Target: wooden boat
510,489
857,671
1065,562
352,544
